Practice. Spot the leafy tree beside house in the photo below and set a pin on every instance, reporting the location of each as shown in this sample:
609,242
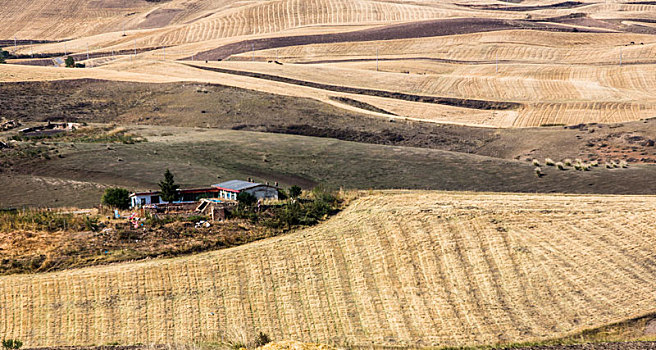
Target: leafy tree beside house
168,188
117,198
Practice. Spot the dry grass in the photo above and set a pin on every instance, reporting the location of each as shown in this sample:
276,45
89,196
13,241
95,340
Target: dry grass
558,77
418,268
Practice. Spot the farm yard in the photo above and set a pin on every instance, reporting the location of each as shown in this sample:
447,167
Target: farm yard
494,160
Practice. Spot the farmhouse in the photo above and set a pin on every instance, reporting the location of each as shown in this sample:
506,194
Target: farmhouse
226,191
140,199
230,189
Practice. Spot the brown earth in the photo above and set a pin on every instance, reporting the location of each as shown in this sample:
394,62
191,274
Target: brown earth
222,107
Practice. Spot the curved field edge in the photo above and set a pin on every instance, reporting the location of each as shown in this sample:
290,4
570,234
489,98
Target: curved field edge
395,268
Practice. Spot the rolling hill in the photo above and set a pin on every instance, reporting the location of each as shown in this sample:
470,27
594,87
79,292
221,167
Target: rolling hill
562,62
394,268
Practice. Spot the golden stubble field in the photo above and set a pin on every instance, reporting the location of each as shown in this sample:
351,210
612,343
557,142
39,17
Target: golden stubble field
394,268
568,76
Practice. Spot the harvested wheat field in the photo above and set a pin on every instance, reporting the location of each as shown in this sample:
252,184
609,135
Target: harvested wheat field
394,268
556,62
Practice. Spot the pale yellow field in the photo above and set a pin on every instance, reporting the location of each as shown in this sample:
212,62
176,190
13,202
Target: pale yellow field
556,77
394,268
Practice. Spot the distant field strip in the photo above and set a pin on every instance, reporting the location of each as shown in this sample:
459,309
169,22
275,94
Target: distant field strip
398,268
415,30
449,101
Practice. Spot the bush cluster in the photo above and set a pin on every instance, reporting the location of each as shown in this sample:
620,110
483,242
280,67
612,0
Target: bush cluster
294,211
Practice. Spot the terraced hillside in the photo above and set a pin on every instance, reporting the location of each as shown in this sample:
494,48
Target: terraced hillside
394,268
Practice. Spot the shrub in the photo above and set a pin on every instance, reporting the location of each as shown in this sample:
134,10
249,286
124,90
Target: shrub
594,163
80,65
624,164
246,199
11,344
262,340
609,165
3,56
70,62
549,162
295,191
282,195
568,162
578,166
560,166
117,198
536,162
538,172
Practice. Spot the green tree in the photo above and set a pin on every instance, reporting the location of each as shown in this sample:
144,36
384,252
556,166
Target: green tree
168,188
70,62
295,191
3,55
117,197
11,344
246,199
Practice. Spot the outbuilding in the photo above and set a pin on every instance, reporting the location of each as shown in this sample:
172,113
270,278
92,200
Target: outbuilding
230,189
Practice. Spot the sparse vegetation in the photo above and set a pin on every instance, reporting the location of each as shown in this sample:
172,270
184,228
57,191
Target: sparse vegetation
36,220
85,134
